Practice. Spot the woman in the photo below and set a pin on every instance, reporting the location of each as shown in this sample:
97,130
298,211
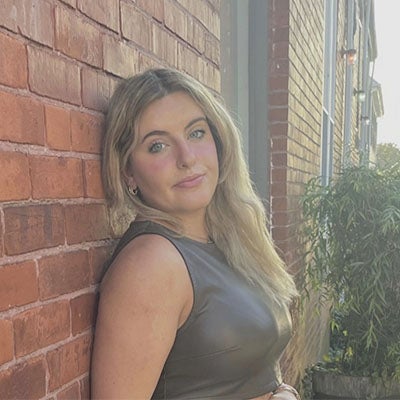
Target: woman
194,305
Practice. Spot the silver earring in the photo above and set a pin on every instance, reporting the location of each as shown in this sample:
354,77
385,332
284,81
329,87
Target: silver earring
133,191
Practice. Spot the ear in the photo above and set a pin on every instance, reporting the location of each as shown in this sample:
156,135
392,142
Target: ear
131,182
128,178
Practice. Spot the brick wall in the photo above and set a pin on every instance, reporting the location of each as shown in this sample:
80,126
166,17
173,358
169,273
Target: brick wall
59,63
296,44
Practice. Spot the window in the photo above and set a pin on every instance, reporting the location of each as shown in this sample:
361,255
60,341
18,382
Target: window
328,110
244,77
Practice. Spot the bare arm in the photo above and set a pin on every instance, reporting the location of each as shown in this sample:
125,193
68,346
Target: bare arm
145,297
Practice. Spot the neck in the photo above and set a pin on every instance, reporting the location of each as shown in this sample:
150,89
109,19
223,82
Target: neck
195,228
203,238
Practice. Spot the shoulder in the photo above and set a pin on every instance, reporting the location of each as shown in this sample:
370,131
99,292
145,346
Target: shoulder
149,268
143,301
149,254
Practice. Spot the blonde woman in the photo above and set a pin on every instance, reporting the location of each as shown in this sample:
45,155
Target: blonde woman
194,304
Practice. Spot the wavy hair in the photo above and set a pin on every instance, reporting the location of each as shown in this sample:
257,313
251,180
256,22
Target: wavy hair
235,217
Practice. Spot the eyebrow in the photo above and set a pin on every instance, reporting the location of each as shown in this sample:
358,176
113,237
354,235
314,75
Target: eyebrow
158,132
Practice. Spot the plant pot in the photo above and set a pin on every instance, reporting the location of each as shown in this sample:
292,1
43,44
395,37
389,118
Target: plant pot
329,385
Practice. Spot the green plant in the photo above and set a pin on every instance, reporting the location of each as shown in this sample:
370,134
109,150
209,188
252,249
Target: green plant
387,154
353,260
306,386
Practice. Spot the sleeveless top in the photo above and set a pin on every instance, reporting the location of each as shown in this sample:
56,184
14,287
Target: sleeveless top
229,346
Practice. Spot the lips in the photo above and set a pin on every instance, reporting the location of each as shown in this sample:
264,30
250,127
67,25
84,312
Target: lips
190,181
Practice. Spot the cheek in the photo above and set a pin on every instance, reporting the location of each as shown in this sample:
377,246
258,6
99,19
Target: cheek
208,152
148,173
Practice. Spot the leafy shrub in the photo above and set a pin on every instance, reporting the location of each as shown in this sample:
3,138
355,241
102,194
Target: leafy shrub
353,260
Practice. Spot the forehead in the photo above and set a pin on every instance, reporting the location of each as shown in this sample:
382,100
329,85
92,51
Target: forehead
174,109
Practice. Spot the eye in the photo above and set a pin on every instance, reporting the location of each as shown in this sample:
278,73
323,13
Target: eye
156,147
197,134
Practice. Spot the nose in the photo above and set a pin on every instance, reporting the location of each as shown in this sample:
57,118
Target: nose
186,156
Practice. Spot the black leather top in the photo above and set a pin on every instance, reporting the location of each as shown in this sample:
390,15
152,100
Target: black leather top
230,345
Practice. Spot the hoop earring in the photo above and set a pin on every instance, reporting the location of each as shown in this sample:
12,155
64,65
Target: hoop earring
133,191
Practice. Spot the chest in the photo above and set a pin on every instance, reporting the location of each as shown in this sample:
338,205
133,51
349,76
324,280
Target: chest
231,327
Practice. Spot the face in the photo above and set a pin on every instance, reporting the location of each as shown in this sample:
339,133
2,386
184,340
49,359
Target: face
175,163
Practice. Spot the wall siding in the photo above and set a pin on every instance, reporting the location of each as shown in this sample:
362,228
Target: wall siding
59,64
296,46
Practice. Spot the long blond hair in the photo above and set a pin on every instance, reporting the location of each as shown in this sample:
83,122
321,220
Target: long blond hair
235,217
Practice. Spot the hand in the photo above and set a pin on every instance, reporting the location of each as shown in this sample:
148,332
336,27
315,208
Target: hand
285,392
285,395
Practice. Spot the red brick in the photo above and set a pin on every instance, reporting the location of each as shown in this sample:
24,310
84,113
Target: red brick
280,233
281,5
135,25
24,381
280,66
41,326
280,219
69,361
146,62
70,393
280,34
56,177
71,3
1,238
14,177
279,175
155,8
279,203
58,128
278,83
188,61
31,18
99,258
29,228
86,132
212,49
105,12
86,223
172,51
278,114
278,189
207,16
175,19
279,159
64,273
119,58
113,84
85,388
6,341
83,312
199,37
18,285
93,183
279,130
278,98
77,38
164,45
53,76
96,89
279,144
189,29
280,50
22,119
13,62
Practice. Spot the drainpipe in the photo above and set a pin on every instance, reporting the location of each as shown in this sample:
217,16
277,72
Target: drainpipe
348,96
369,127
365,116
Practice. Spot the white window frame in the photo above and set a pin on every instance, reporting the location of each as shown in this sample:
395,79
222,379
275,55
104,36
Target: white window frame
328,107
